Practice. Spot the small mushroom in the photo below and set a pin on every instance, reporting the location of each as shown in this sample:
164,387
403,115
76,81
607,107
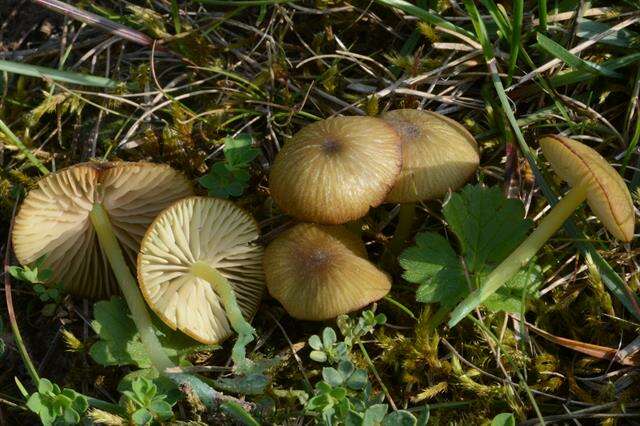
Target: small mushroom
83,217
197,257
54,220
334,170
438,155
592,179
318,272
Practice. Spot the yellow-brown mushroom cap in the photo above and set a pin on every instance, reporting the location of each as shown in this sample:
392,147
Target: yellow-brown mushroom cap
334,170
438,155
54,219
607,193
318,272
204,230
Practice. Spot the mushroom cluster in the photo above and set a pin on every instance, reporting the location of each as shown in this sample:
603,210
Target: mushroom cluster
197,262
332,172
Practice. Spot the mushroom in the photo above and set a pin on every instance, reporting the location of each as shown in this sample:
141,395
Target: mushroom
54,220
592,179
318,272
197,257
83,217
334,170
438,155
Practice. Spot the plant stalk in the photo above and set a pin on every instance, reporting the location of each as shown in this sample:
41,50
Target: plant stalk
237,321
129,287
403,230
523,254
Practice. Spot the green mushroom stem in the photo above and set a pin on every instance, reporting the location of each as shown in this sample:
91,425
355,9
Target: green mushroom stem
129,287
237,321
406,217
523,254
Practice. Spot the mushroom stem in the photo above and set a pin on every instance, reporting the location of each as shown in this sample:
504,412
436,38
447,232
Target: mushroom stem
129,287
405,222
237,321
523,254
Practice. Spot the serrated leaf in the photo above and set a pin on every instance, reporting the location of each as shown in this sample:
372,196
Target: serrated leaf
488,225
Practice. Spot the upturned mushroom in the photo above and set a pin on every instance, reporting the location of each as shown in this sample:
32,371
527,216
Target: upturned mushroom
334,170
55,219
592,179
438,155
83,217
318,272
200,269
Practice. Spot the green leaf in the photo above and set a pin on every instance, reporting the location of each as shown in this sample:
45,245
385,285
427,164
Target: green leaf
332,376
488,226
120,343
572,60
509,297
318,356
328,337
374,415
358,380
56,75
400,418
141,417
239,151
433,264
315,342
504,419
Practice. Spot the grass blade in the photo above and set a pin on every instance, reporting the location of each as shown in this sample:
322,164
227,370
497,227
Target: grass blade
623,38
542,15
57,75
572,60
516,33
577,76
426,16
27,153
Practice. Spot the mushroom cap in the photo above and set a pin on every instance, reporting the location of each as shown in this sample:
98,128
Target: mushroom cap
54,219
334,170
200,229
607,194
318,272
438,155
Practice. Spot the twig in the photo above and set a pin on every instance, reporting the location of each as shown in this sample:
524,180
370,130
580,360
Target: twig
17,336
